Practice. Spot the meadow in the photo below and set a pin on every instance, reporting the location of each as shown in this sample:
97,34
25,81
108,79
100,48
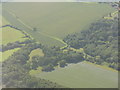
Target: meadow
3,21
10,35
81,75
36,52
49,23
6,54
53,21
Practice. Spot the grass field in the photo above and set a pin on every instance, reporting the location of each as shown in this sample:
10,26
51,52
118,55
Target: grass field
34,72
10,35
6,54
82,75
36,52
54,19
4,21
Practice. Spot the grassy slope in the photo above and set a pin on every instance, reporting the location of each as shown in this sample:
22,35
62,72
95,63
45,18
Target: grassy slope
3,21
41,37
0,15
82,75
10,35
6,54
36,52
58,19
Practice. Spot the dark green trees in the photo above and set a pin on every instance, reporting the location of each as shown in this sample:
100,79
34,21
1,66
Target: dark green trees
62,63
48,68
100,39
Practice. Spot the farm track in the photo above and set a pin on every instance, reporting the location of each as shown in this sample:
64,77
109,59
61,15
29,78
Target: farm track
30,28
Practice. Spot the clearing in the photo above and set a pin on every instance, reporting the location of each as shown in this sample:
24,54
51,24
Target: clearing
36,52
82,75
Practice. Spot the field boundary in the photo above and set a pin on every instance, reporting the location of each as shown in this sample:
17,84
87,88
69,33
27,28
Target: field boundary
45,34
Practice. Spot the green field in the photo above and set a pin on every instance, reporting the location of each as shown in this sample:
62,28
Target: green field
3,21
10,35
36,52
53,21
82,75
6,54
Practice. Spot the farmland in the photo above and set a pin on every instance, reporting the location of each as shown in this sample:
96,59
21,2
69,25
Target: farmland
6,54
84,52
52,19
3,21
10,35
82,75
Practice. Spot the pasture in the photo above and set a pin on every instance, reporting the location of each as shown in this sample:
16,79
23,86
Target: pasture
4,22
53,21
6,54
36,52
82,75
10,35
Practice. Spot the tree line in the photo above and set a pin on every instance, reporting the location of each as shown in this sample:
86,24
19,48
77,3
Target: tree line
100,41
15,74
17,66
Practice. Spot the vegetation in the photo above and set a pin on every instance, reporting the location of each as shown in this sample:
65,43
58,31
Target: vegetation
15,72
112,15
100,41
10,35
7,54
82,75
53,57
62,63
36,52
18,63
47,61
52,19
13,45
11,41
3,21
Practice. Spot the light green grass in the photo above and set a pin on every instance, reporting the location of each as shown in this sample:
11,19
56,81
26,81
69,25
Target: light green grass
55,19
34,72
82,75
113,15
36,52
6,54
10,35
3,21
